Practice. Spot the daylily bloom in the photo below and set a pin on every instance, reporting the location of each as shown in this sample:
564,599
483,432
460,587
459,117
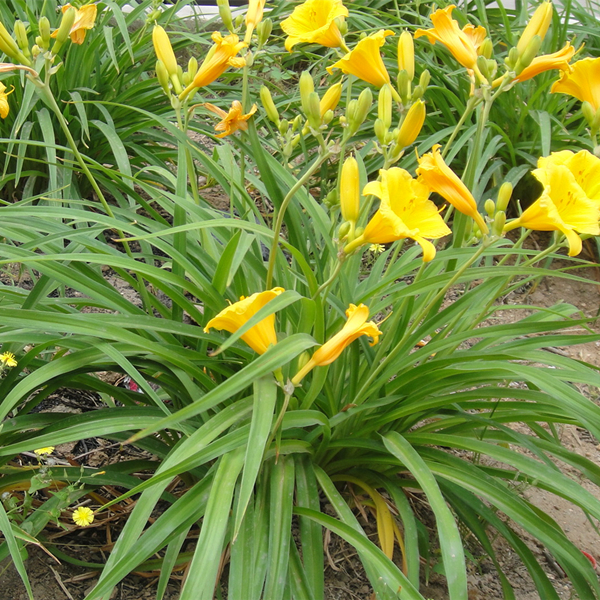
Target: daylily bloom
259,337
84,20
462,43
546,62
43,451
582,82
440,178
8,359
221,56
83,516
584,166
365,60
230,121
4,107
313,22
538,25
355,326
164,50
254,14
405,212
563,206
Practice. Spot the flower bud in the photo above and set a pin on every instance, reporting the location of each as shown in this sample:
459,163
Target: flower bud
68,18
297,122
342,25
486,49
363,106
504,195
417,94
153,15
412,125
596,122
512,58
44,29
344,230
492,67
406,54
225,14
327,117
314,110
384,105
482,65
331,98
288,149
21,35
359,231
269,105
490,208
499,222
528,54
307,87
404,86
163,76
424,79
283,126
263,31
7,43
164,50
192,67
380,131
350,190
35,50
537,26
351,111
238,21
332,199
588,112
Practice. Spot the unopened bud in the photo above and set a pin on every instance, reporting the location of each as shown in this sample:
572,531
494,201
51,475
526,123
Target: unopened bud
307,87
327,117
537,26
512,58
68,18
7,43
417,94
596,122
492,67
331,98
263,31
406,54
288,149
384,105
351,111
163,76
412,125
44,29
528,54
238,21
332,199
225,14
482,65
404,86
380,130
588,112
297,122
21,35
486,49
269,105
284,125
38,40
314,110
344,230
490,208
350,190
164,50
36,51
359,231
499,222
363,106
504,195
424,80
342,25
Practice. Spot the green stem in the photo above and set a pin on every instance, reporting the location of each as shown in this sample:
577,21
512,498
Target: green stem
471,104
281,213
325,286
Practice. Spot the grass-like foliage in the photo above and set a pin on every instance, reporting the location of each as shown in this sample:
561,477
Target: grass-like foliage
308,401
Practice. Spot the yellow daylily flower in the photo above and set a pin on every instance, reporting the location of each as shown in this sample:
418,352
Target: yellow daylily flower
563,206
4,106
405,212
83,516
164,50
365,60
584,166
440,178
581,82
313,22
230,121
355,326
221,56
538,25
259,337
462,43
43,451
8,359
84,20
254,13
546,62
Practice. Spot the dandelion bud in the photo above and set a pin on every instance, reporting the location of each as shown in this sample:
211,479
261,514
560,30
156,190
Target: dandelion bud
412,125
225,14
528,54
404,86
504,195
269,105
380,130
7,43
490,208
307,87
537,26
44,29
283,126
350,190
406,54
192,67
21,35
68,18
163,76
342,25
486,49
499,222
263,31
512,58
331,98
314,110
384,105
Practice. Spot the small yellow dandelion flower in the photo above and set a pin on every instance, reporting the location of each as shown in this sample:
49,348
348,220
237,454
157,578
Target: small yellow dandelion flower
8,359
83,516
376,248
46,450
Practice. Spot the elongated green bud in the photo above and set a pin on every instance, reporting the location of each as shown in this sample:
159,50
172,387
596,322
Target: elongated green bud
490,208
269,105
384,105
504,195
530,52
596,122
588,112
307,87
537,26
424,80
163,77
404,86
296,123
363,106
512,58
284,125
314,110
380,131
44,29
342,25
486,49
21,35
344,230
351,111
192,67
263,30
499,222
482,65
64,29
332,199
7,43
225,14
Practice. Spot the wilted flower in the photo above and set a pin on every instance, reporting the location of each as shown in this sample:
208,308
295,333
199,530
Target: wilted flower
84,20
581,82
232,120
440,178
43,451
462,43
405,212
83,516
355,326
563,206
365,60
259,337
221,56
547,62
313,22
8,359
